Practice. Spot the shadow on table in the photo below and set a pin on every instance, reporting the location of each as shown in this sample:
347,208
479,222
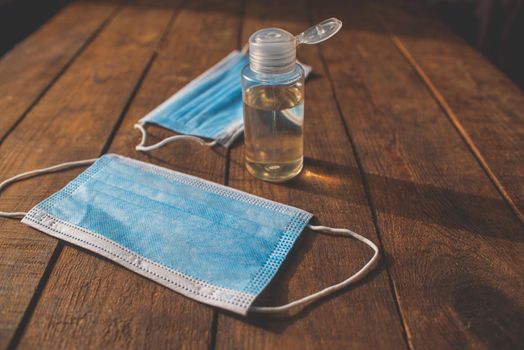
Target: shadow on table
420,202
493,317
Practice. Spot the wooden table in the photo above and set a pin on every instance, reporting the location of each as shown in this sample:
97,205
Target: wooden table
411,138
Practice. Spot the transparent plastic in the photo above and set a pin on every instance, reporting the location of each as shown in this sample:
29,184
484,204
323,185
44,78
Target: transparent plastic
273,95
319,32
273,123
273,50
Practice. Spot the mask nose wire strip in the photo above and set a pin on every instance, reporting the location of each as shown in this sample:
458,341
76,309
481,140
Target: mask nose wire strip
336,287
141,146
32,173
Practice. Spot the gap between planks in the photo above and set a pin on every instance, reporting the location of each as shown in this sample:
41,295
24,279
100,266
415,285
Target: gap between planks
26,317
444,105
61,72
406,333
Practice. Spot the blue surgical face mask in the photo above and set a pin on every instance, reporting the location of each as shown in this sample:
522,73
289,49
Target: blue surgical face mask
212,243
209,107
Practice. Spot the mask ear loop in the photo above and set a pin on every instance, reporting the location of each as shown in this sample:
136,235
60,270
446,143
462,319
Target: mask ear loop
336,287
141,146
32,173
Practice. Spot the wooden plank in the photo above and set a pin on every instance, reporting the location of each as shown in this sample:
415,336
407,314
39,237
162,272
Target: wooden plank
102,304
71,122
455,248
28,70
483,104
330,187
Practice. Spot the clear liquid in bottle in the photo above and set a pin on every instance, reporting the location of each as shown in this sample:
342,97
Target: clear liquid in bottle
273,118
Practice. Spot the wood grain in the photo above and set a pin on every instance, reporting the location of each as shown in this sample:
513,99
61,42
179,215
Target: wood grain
71,122
455,247
330,187
484,105
382,158
28,70
91,302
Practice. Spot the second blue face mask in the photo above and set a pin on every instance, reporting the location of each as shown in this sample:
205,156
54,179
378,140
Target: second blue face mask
209,107
210,242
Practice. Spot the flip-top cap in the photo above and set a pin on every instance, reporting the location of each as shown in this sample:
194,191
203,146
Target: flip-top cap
273,50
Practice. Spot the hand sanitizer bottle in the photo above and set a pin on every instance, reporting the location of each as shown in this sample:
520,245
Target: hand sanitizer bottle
273,95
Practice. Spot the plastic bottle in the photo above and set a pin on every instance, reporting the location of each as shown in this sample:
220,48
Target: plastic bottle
273,95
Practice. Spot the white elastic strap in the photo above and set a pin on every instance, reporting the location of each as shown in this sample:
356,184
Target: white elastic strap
141,146
28,174
332,289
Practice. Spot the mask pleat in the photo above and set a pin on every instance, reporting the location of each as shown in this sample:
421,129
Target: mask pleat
185,193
